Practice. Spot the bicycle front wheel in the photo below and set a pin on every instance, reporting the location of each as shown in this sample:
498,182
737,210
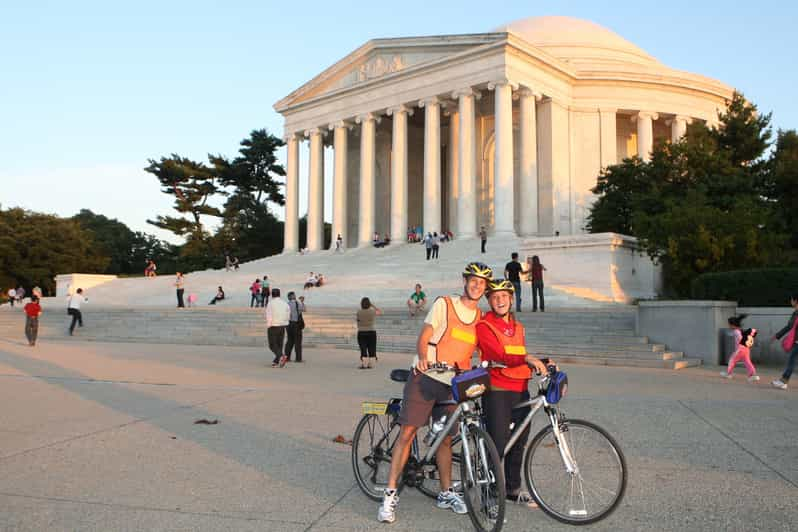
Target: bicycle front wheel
593,490
482,478
372,446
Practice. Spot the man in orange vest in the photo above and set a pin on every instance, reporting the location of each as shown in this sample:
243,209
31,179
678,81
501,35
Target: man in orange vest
501,339
449,335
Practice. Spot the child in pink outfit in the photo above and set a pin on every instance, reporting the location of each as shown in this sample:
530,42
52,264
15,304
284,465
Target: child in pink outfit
744,339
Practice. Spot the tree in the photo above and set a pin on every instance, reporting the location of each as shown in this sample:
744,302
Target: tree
781,186
700,204
192,184
35,247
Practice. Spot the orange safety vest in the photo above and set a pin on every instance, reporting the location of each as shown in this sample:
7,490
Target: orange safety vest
513,345
457,344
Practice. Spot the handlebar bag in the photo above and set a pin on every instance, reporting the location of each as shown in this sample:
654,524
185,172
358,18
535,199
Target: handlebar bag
470,384
558,387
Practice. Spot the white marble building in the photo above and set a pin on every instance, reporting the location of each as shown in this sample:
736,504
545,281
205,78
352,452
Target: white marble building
507,129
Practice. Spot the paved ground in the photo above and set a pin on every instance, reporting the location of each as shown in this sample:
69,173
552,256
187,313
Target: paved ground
102,437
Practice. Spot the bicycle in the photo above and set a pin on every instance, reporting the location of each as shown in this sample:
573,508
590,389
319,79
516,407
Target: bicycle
570,459
481,472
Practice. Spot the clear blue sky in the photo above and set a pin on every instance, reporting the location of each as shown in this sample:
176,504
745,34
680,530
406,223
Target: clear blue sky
90,90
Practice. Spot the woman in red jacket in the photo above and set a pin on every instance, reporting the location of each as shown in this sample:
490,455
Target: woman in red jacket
501,339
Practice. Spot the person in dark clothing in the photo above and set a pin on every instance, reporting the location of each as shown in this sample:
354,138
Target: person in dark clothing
536,270
295,325
483,236
218,297
789,343
512,272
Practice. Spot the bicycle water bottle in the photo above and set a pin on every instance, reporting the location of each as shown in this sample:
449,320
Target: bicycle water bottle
437,426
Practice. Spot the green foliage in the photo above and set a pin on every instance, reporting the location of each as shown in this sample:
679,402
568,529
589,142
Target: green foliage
711,202
192,184
752,288
35,247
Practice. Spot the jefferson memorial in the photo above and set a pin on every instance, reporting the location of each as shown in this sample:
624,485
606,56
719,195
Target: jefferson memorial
507,129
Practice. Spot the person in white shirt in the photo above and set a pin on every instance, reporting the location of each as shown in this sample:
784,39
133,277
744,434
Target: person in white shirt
277,317
73,309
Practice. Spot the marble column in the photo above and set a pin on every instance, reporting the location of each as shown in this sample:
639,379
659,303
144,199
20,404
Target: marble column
453,191
466,165
503,182
608,123
645,133
340,141
291,225
368,167
315,233
432,165
399,172
679,127
528,217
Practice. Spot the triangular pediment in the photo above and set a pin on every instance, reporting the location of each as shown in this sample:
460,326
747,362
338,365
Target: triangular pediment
382,57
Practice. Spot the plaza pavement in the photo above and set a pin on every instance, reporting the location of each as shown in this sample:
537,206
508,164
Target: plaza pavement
100,436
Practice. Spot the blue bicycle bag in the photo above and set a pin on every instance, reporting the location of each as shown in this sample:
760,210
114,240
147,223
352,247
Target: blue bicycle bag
470,384
558,387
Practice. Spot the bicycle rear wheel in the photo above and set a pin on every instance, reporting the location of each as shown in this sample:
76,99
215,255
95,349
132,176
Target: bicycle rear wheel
589,494
372,446
483,480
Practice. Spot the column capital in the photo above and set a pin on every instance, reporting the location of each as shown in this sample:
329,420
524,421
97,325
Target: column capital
466,91
645,114
501,82
340,123
368,116
432,100
680,118
525,92
401,108
315,131
613,110
296,135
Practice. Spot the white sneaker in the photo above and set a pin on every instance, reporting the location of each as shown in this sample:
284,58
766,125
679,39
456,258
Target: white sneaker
453,500
387,512
780,384
725,375
753,378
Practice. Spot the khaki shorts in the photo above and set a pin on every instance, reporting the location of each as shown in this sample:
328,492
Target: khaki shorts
419,401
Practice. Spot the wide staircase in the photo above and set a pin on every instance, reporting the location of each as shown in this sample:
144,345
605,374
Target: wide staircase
599,336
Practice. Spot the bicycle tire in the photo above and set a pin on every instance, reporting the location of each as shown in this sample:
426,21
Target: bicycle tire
371,460
487,514
550,463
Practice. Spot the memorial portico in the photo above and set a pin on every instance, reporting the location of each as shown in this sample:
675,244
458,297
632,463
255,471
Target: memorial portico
507,129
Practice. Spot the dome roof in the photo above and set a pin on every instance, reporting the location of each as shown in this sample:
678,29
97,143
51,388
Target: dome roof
577,41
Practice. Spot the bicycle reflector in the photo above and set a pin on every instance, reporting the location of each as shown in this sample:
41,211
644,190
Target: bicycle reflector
558,387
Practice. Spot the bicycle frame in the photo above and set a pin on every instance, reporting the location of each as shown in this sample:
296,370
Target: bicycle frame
536,404
459,412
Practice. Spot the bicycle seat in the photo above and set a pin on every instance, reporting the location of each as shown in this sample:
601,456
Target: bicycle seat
400,375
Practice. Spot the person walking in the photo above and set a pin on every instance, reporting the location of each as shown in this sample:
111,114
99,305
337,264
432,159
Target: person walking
743,340
277,314
179,289
536,270
367,332
295,325
339,244
483,236
789,341
32,312
428,245
254,290
436,244
512,272
12,296
73,309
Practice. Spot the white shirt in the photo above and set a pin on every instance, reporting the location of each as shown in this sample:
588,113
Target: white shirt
75,300
277,313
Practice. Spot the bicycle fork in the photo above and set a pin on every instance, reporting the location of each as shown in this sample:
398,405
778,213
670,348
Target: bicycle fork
562,444
483,457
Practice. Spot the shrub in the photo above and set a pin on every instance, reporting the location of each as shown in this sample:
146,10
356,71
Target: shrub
767,287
